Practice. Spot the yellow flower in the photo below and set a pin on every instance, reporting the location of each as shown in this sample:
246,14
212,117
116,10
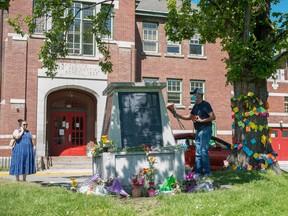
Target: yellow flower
152,159
104,138
74,183
72,179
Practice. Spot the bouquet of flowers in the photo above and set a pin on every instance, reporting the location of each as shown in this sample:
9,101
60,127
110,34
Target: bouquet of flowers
138,179
151,171
189,182
172,109
103,146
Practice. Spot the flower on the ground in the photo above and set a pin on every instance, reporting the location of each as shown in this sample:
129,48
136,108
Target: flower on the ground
138,179
189,183
74,184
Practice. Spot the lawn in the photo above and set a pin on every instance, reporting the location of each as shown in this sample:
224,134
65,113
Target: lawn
249,193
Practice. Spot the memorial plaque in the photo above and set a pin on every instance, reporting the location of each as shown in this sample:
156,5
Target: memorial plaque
140,119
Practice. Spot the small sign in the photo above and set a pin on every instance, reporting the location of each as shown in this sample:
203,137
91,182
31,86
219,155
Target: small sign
61,132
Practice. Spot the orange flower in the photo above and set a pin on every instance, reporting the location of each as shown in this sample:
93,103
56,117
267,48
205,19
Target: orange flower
146,170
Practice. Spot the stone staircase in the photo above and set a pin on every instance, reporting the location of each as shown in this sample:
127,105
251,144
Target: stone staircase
67,163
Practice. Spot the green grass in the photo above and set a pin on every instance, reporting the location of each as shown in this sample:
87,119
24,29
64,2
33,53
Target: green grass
251,193
4,169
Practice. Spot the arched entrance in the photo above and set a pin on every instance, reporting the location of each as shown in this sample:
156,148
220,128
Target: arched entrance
71,115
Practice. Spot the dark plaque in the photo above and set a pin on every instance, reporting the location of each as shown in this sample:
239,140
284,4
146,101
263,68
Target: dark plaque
140,119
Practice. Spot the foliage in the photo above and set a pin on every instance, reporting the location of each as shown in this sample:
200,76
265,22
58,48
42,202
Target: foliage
255,44
4,4
55,44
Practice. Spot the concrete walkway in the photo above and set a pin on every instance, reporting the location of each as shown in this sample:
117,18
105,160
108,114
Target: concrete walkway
63,177
52,177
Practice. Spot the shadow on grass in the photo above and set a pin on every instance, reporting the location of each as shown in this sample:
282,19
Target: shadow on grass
231,177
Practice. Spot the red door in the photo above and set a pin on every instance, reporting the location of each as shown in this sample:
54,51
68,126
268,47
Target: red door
280,143
68,134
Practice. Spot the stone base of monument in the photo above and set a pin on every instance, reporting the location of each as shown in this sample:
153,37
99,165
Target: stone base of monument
124,164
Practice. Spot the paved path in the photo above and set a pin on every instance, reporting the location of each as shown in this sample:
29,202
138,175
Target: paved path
63,177
59,177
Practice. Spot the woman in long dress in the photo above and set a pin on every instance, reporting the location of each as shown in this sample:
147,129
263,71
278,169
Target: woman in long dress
23,156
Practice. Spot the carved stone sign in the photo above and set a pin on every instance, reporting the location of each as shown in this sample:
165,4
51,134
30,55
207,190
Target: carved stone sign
140,119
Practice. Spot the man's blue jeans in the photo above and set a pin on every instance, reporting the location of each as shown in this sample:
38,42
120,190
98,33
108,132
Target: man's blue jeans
202,140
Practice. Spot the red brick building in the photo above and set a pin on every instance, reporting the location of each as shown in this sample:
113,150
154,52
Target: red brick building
70,108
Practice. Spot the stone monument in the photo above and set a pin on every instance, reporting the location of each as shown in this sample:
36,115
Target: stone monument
136,114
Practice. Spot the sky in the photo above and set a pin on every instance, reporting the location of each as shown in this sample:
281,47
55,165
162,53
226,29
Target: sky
282,6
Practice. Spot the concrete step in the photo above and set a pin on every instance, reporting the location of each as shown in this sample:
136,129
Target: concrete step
68,163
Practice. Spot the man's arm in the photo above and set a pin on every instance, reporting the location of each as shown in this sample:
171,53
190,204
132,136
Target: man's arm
211,117
187,117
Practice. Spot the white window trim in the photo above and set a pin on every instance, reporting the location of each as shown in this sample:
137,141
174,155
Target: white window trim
170,43
286,105
156,41
180,92
202,47
97,56
203,87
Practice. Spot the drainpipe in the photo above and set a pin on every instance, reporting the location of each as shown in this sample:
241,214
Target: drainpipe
1,52
26,80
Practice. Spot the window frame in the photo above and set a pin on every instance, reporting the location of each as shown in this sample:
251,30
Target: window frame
111,19
285,104
175,91
82,21
196,39
156,41
197,84
173,44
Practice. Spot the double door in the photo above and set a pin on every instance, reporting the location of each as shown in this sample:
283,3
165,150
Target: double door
68,134
280,143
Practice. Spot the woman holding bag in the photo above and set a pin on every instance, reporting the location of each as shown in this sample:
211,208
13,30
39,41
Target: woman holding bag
23,156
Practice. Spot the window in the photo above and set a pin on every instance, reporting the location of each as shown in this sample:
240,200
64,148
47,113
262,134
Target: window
286,104
150,37
42,24
174,91
80,39
195,47
173,48
109,21
196,84
280,75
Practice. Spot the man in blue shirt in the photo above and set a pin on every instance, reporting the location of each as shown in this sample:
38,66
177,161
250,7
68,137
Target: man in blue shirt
202,115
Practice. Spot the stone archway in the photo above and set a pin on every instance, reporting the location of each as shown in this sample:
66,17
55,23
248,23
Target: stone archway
71,115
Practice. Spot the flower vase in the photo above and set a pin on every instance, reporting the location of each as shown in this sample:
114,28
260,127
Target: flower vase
136,192
105,149
151,192
151,189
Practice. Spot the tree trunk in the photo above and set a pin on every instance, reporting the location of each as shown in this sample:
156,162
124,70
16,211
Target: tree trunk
251,137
